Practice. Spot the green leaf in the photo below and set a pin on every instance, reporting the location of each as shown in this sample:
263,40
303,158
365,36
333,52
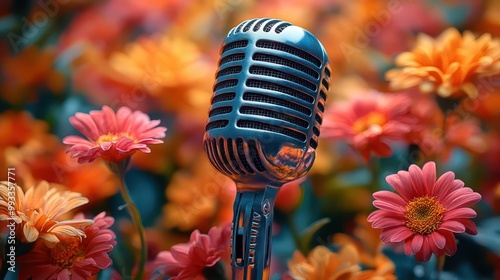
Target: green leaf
308,233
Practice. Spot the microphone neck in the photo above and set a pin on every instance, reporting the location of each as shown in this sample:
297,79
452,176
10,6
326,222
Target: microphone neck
251,233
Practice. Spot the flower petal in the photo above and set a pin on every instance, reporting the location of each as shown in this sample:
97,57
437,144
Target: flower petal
416,243
452,226
438,239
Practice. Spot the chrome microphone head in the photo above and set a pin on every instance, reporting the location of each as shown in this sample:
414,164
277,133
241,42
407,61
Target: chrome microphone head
263,126
268,103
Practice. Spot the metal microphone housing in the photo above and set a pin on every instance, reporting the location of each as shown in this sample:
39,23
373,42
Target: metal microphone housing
263,127
268,103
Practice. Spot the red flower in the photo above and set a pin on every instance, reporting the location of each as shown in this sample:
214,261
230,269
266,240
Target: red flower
72,257
113,136
187,260
425,212
369,121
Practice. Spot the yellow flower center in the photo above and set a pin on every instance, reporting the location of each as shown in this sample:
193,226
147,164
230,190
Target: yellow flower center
111,137
369,120
424,215
67,252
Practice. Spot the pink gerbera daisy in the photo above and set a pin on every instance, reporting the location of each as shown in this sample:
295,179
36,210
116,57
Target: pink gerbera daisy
187,260
369,121
113,136
425,212
73,257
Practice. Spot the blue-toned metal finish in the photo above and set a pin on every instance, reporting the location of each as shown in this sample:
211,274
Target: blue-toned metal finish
263,126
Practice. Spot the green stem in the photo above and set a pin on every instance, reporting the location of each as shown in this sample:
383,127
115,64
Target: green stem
295,233
136,218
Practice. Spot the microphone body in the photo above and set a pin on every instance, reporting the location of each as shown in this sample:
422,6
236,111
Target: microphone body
263,126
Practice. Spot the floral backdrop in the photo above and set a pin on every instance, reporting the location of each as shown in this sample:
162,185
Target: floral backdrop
104,105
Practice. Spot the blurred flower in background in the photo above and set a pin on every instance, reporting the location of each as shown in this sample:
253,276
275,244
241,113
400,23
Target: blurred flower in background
413,82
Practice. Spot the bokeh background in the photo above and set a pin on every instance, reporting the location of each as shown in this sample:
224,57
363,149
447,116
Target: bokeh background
59,57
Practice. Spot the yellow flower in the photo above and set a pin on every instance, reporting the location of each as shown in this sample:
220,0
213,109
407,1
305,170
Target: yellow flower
170,68
322,264
198,198
369,247
448,65
36,212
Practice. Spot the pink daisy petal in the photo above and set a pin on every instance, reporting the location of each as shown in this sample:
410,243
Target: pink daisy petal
401,235
387,222
464,200
390,197
407,246
443,185
417,179
416,243
115,135
452,226
451,244
425,213
395,181
460,213
387,206
438,239
203,250
429,173
470,227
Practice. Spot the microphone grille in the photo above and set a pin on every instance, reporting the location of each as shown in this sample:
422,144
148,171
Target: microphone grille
268,80
247,25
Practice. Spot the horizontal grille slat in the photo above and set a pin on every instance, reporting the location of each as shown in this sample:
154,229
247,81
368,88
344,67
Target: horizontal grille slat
273,128
264,71
285,62
231,58
225,84
229,71
248,110
223,97
262,98
216,124
235,45
280,88
268,44
220,111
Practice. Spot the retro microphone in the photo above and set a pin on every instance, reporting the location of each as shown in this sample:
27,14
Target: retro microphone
263,126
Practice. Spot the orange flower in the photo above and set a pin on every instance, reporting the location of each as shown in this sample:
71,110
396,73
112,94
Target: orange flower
26,71
18,128
199,198
448,65
322,264
36,212
170,68
369,247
